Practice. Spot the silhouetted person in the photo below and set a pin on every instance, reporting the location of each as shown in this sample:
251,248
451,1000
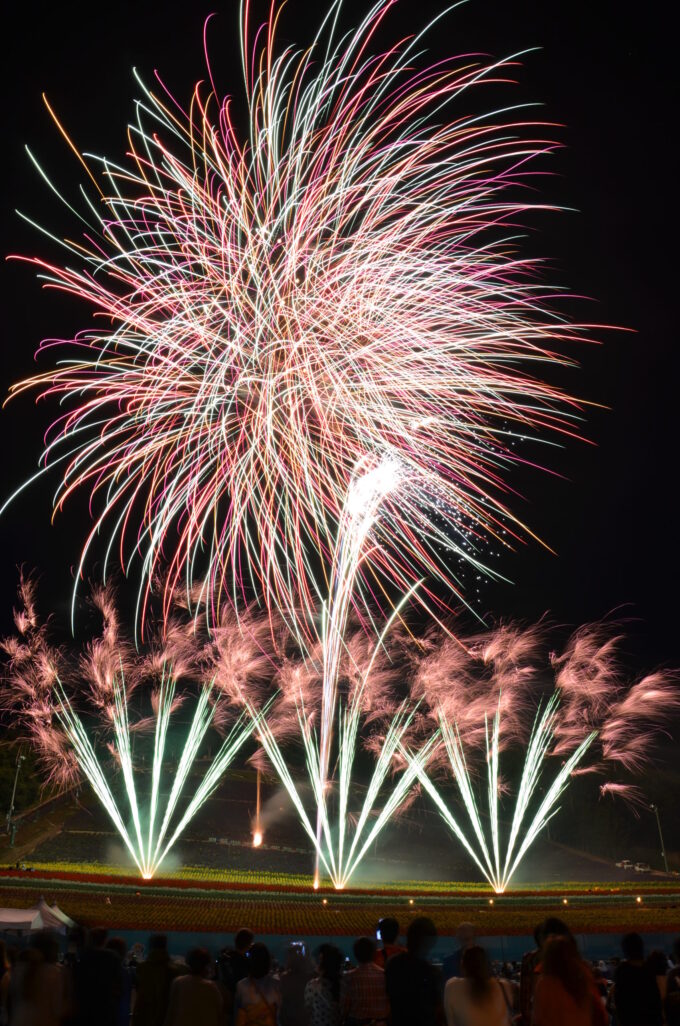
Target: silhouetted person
258,996
635,997
233,963
119,948
528,977
364,994
388,928
672,1002
75,945
476,998
36,988
674,973
565,992
153,979
98,983
194,999
322,994
658,966
466,934
414,986
292,982
601,982
531,964
5,977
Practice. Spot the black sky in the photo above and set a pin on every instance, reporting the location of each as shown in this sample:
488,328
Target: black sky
605,72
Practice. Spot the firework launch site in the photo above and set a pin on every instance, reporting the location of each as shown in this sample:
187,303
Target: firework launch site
66,851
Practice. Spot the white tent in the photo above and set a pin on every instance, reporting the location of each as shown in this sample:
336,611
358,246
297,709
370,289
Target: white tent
20,920
56,913
40,917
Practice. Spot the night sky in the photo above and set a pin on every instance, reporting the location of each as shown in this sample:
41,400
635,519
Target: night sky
611,516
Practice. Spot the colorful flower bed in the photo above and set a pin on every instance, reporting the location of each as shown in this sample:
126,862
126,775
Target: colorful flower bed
272,903
310,916
198,877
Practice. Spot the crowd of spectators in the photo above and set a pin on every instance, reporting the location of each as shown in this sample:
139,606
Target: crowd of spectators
97,981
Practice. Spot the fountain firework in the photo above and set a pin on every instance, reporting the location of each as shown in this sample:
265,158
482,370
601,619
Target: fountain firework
489,693
345,826
43,693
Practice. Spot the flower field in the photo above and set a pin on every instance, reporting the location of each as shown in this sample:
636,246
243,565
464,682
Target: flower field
228,879
196,900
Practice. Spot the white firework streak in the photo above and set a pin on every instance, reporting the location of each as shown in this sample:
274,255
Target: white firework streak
391,745
88,762
497,868
329,844
365,496
150,855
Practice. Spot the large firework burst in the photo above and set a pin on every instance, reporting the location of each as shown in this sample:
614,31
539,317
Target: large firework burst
275,315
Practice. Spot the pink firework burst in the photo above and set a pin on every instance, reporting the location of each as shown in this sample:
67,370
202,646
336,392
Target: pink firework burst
334,292
510,670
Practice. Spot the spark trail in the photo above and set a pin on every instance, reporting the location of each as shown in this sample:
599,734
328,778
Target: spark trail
82,715
366,494
484,845
367,714
487,693
339,289
347,831
149,847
